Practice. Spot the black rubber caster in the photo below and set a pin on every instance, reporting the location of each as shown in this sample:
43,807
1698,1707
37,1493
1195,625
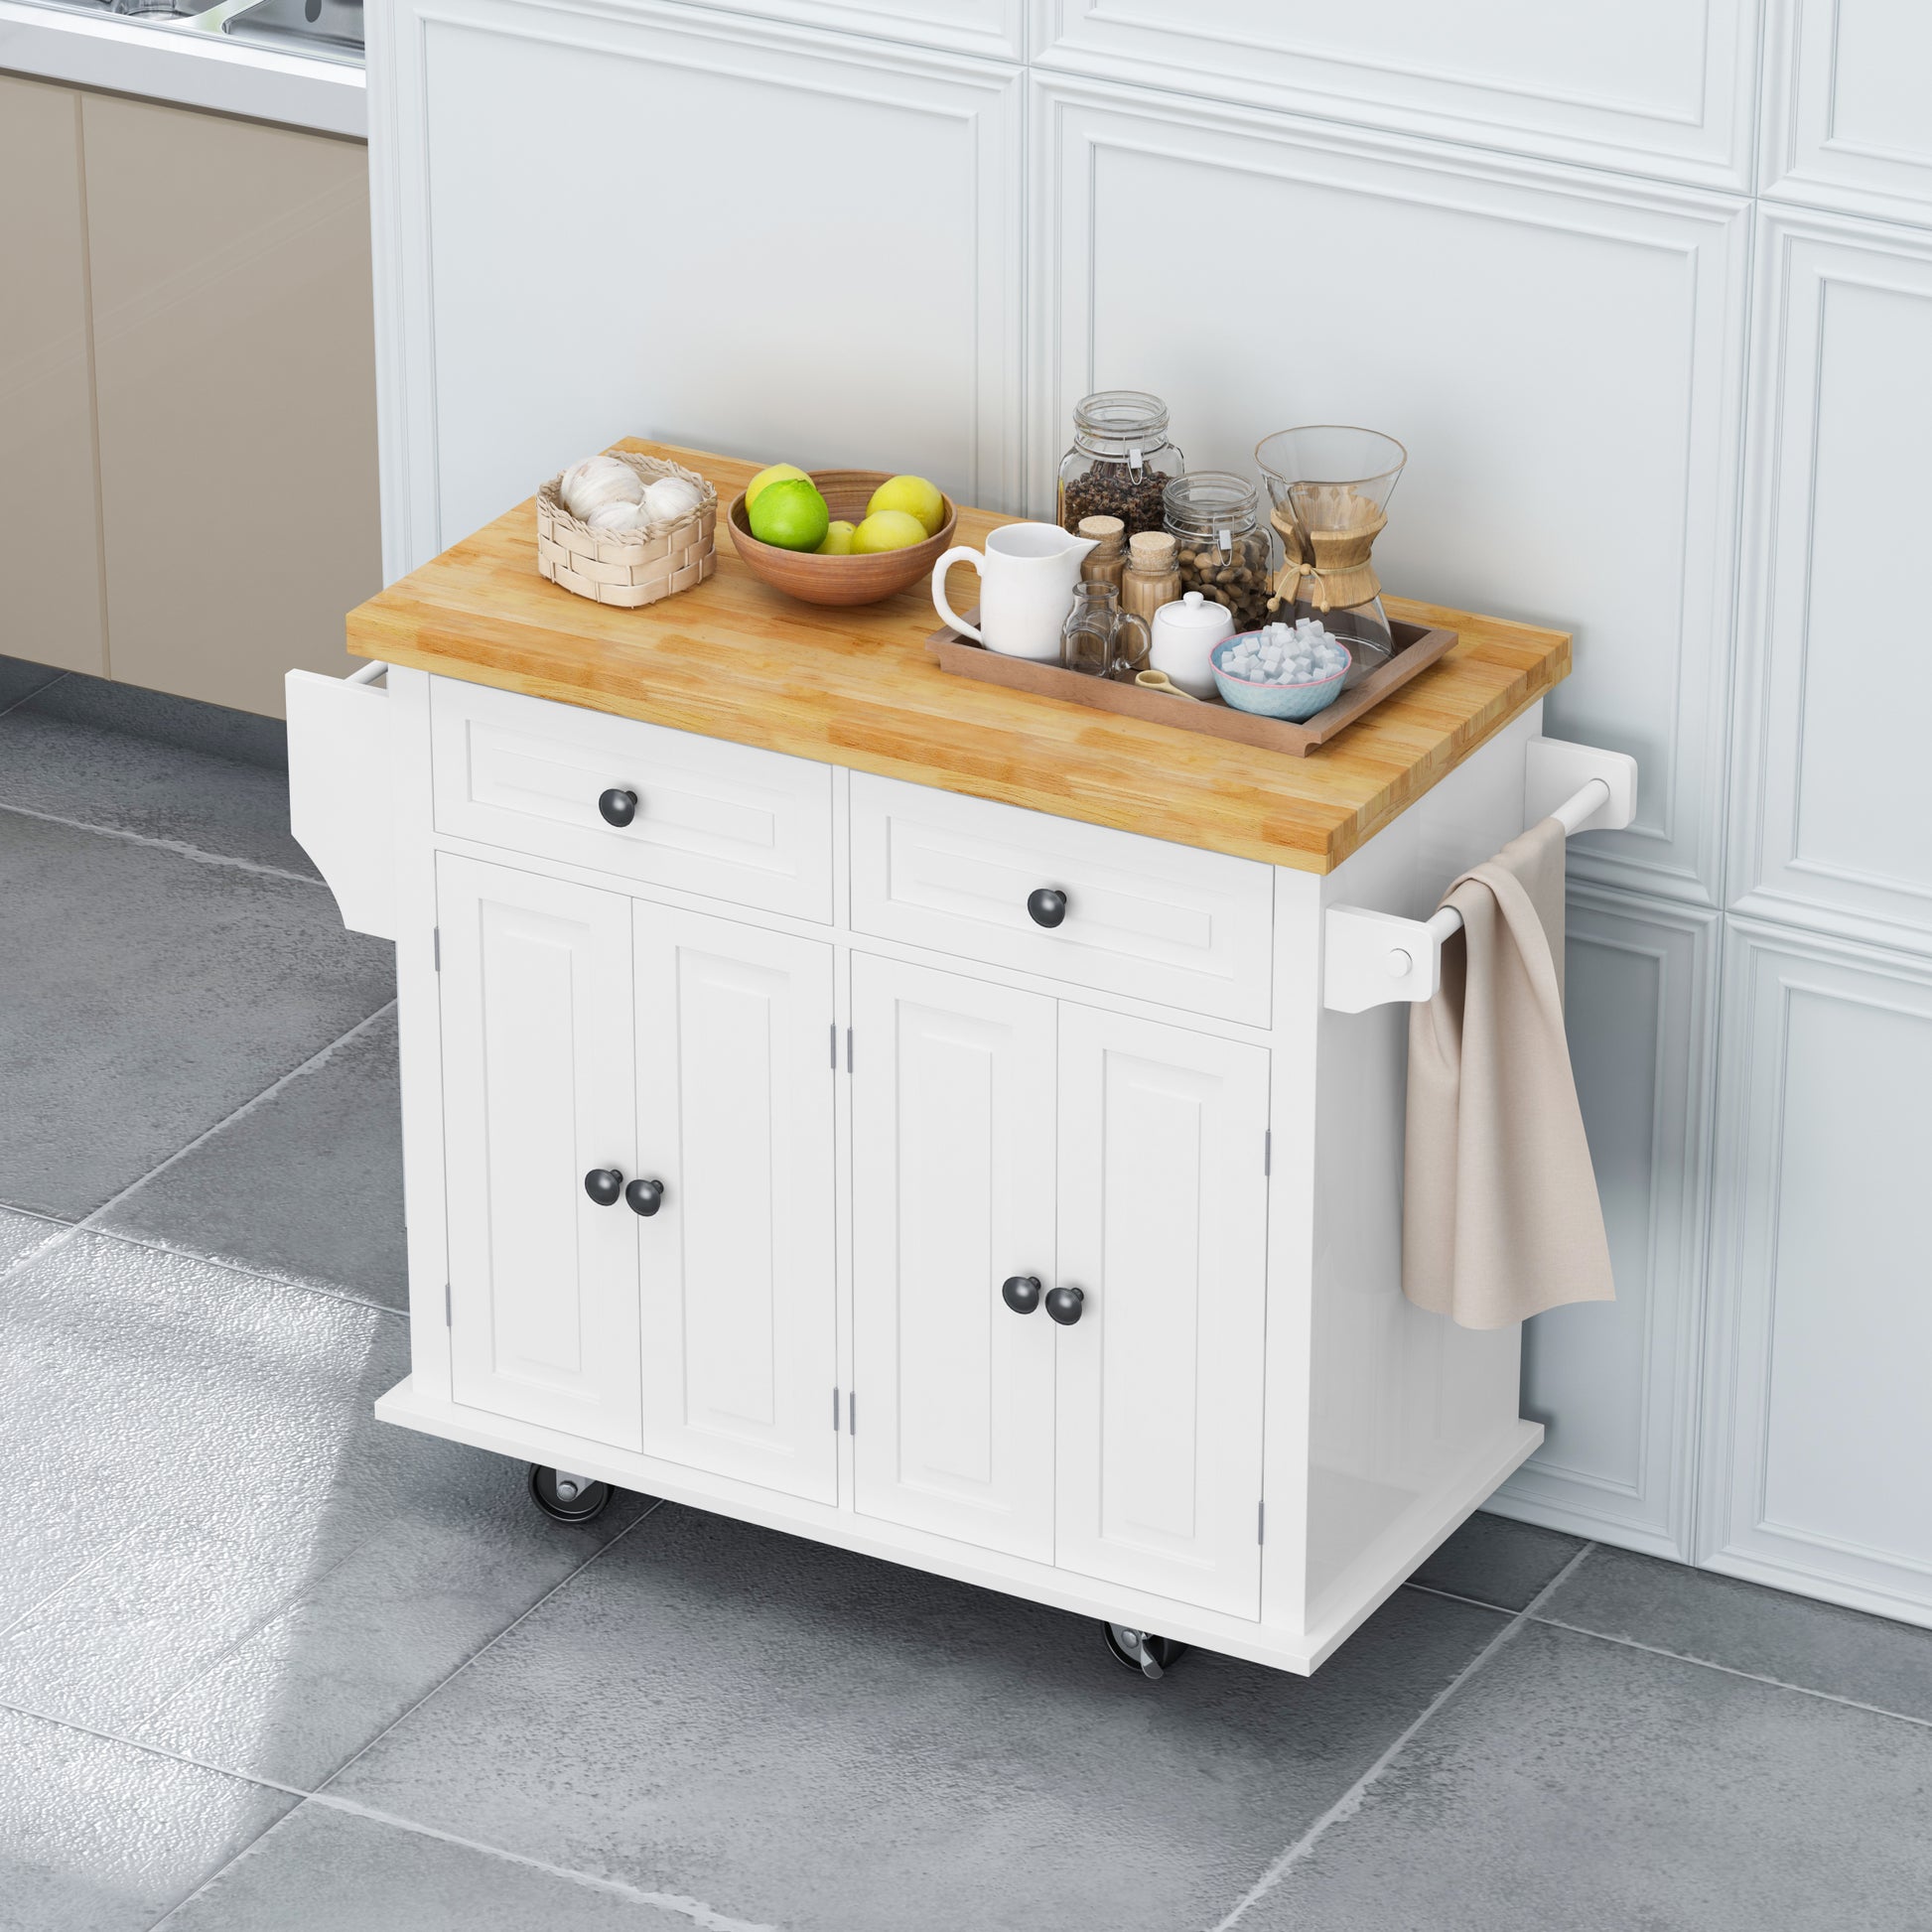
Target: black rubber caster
584,1499
1145,1655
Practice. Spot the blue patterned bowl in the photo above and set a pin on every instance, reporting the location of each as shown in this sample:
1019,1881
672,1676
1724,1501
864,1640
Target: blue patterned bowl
1292,701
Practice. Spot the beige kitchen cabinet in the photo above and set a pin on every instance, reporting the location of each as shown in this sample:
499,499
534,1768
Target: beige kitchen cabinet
234,376
50,525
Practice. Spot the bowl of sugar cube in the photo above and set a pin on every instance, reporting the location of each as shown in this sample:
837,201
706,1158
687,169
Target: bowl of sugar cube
1282,671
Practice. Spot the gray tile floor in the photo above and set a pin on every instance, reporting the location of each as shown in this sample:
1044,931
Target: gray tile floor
266,1666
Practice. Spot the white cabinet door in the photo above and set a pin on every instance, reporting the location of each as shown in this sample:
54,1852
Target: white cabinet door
953,1101
1162,1224
538,1089
735,1097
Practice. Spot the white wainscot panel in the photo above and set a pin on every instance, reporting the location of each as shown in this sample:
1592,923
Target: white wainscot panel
1847,123
1652,86
1832,807
1613,1382
1562,355
716,231
1819,1429
996,28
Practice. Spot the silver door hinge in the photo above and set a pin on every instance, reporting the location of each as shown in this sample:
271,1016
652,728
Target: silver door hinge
848,1049
833,1029
436,945
1261,1522
1268,1150
835,1412
851,1412
447,1322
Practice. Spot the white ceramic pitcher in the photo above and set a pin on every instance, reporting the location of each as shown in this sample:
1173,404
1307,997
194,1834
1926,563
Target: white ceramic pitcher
1027,579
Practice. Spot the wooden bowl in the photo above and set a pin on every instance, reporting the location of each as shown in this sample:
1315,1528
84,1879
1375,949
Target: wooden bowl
813,579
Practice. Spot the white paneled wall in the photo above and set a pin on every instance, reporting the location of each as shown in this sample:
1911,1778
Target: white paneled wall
1646,288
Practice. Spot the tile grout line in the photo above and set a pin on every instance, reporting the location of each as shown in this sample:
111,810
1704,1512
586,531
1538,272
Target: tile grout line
1350,1800
248,1270
350,1764
28,697
317,1796
1731,1670
179,847
1456,1596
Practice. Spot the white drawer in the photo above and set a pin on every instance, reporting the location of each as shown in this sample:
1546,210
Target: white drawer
1164,922
726,820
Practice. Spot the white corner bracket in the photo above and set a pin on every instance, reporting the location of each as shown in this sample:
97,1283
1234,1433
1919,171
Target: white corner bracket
1374,959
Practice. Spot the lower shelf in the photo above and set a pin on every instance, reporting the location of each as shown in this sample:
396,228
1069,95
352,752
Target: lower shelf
1297,1651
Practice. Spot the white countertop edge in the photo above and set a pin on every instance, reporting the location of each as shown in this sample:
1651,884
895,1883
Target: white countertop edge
188,70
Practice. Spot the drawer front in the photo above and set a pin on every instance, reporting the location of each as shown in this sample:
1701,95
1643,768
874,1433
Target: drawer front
1162,922
726,820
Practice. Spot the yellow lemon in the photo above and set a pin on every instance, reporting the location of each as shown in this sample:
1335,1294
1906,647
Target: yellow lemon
778,473
915,497
886,530
791,513
837,540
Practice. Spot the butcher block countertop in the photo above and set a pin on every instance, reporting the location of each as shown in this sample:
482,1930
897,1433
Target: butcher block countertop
736,659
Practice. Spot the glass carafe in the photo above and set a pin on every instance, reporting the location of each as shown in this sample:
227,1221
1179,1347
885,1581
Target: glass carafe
1331,486
1099,639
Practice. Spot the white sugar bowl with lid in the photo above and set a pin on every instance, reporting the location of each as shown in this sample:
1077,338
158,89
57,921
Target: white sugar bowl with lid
1184,636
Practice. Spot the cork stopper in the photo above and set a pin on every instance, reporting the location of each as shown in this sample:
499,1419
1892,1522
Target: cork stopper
1100,528
1152,550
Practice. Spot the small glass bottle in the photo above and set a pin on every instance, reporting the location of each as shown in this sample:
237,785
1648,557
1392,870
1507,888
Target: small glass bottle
1099,639
1104,563
1120,463
1150,578
1220,546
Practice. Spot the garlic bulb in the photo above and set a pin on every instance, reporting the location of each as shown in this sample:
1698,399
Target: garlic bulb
619,517
597,481
669,499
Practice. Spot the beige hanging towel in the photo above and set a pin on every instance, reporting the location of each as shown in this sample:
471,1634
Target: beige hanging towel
1500,1217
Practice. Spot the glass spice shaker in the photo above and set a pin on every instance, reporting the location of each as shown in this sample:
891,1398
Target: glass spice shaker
1105,562
1120,463
1150,578
1099,639
1220,545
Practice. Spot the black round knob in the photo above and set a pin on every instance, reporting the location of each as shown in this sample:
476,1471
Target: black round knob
1021,1293
1065,1304
1047,906
619,807
604,1185
645,1197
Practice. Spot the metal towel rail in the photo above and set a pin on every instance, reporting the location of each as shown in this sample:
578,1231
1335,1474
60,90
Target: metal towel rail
1372,959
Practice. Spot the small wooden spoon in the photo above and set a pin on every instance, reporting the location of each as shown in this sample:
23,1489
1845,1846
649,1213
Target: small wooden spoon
1162,682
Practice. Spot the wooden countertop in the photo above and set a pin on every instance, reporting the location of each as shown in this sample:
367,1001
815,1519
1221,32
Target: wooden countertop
735,659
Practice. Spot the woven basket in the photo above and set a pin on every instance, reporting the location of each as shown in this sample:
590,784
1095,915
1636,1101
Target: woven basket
628,568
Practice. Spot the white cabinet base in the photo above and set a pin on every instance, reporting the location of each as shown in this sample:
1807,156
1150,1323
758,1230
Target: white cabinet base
1299,1651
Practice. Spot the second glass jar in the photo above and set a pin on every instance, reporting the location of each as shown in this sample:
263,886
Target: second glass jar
1221,545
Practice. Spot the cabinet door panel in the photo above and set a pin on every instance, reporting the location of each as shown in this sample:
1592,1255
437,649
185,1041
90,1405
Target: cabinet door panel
952,1102
1163,1222
538,1089
737,1264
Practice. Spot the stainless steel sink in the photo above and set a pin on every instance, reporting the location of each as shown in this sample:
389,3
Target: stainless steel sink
332,28
327,30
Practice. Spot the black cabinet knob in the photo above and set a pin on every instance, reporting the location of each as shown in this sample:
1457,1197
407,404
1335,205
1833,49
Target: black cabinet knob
1047,906
619,807
645,1197
1021,1293
1065,1304
604,1185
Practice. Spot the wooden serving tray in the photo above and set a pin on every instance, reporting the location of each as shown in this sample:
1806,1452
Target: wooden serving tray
1416,649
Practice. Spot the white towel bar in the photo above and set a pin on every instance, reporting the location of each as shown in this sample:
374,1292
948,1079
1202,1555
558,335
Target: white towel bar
367,674
1373,959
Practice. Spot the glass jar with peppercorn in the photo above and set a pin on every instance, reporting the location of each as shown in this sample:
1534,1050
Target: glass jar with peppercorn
1221,545
1121,461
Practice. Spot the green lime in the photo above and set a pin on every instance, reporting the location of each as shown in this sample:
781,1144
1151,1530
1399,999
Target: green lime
791,513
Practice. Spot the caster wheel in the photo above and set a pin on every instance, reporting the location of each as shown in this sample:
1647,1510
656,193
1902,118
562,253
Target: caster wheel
568,1499
1135,1651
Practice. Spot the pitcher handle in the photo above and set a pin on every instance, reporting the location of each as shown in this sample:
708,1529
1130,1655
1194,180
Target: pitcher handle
960,554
